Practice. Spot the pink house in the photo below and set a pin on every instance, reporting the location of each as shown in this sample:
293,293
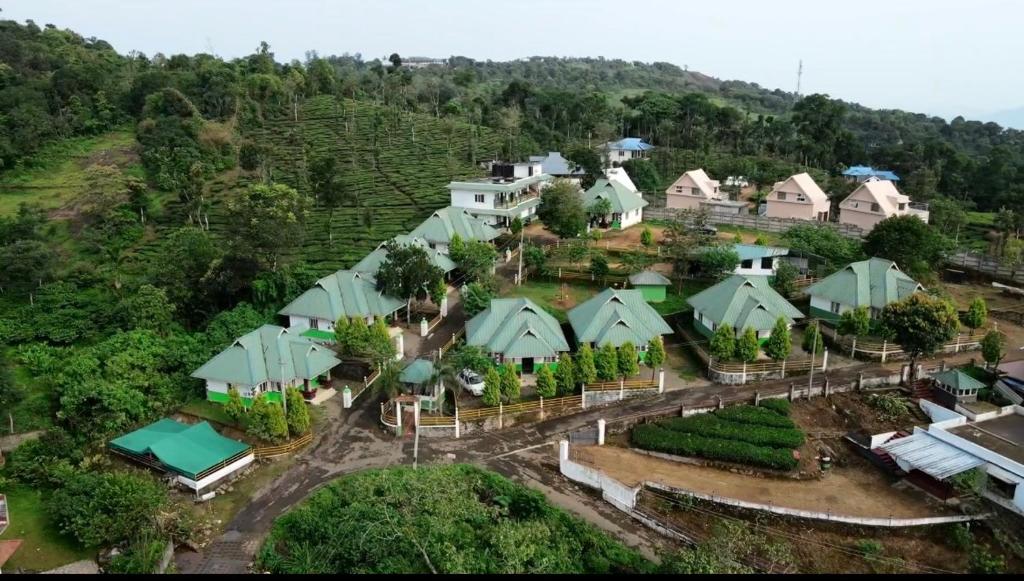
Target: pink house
874,201
692,189
798,197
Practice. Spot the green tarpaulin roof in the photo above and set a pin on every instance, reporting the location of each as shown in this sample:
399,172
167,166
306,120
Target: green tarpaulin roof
868,283
516,327
617,316
187,450
744,301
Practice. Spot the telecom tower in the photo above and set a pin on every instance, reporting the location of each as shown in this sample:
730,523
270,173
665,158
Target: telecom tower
799,76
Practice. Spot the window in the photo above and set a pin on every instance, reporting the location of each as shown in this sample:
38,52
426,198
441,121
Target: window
875,207
679,189
902,207
801,199
766,262
747,264
834,308
696,191
479,198
782,196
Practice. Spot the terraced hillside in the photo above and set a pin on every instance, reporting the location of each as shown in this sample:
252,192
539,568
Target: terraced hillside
396,164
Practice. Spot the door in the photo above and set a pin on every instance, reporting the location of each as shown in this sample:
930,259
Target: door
527,364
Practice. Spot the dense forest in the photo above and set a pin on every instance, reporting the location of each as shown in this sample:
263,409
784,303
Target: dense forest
153,208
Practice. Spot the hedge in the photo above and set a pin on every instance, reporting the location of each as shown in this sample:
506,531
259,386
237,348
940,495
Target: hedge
779,406
712,426
655,438
757,416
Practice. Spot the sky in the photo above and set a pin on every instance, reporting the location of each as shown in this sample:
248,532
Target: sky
942,57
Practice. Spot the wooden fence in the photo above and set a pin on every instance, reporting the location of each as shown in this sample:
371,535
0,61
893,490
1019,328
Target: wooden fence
451,342
985,265
755,222
886,349
501,410
288,448
563,274
434,322
624,384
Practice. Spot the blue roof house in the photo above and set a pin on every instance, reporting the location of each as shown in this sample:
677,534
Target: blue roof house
861,173
626,149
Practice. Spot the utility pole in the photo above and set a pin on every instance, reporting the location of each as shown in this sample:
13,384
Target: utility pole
519,278
799,76
814,348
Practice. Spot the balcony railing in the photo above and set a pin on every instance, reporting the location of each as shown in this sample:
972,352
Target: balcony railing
513,202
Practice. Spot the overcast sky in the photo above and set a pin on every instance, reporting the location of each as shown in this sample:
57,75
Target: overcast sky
943,57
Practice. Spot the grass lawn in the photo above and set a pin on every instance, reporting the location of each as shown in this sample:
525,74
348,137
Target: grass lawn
54,174
208,410
749,235
33,412
43,546
548,295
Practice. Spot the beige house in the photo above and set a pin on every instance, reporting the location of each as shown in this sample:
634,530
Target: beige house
691,189
874,201
798,197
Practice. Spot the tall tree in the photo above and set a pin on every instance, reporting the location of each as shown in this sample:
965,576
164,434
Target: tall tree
920,324
267,220
628,365
977,314
723,343
546,386
565,375
492,387
298,414
993,348
561,210
780,344
510,384
407,272
584,365
655,353
747,345
606,361
908,241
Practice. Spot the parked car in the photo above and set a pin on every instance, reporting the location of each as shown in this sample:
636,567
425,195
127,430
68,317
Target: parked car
709,230
471,381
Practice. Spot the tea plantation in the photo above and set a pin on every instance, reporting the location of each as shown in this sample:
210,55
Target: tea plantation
396,165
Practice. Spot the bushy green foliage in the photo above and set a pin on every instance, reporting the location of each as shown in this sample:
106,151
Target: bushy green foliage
983,562
920,323
546,386
747,346
890,406
476,298
298,414
855,322
492,388
599,265
266,420
977,314
658,439
655,355
823,241
784,279
407,272
993,347
777,405
606,362
717,262
234,408
628,360
510,384
561,210
755,416
813,341
141,556
647,237
909,242
584,364
102,508
779,345
723,344
566,375
453,519
712,426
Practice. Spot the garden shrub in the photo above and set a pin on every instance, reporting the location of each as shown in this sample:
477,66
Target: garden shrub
758,416
779,406
714,427
658,439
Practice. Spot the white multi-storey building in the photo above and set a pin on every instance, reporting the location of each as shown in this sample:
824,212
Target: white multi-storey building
513,190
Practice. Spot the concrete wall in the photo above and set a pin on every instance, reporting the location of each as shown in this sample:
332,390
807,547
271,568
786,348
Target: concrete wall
467,199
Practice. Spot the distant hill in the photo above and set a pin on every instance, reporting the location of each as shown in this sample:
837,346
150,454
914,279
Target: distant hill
1013,118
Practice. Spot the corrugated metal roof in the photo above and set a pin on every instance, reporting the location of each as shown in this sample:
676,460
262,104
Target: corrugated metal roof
345,293
621,199
868,283
446,222
957,379
630,144
756,252
932,456
419,371
616,316
741,301
516,327
372,261
648,278
868,171
269,353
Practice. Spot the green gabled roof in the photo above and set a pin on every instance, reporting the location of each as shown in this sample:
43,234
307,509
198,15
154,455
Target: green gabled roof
744,301
370,264
187,450
345,293
649,278
419,371
446,222
516,327
617,316
621,199
869,283
269,353
956,379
